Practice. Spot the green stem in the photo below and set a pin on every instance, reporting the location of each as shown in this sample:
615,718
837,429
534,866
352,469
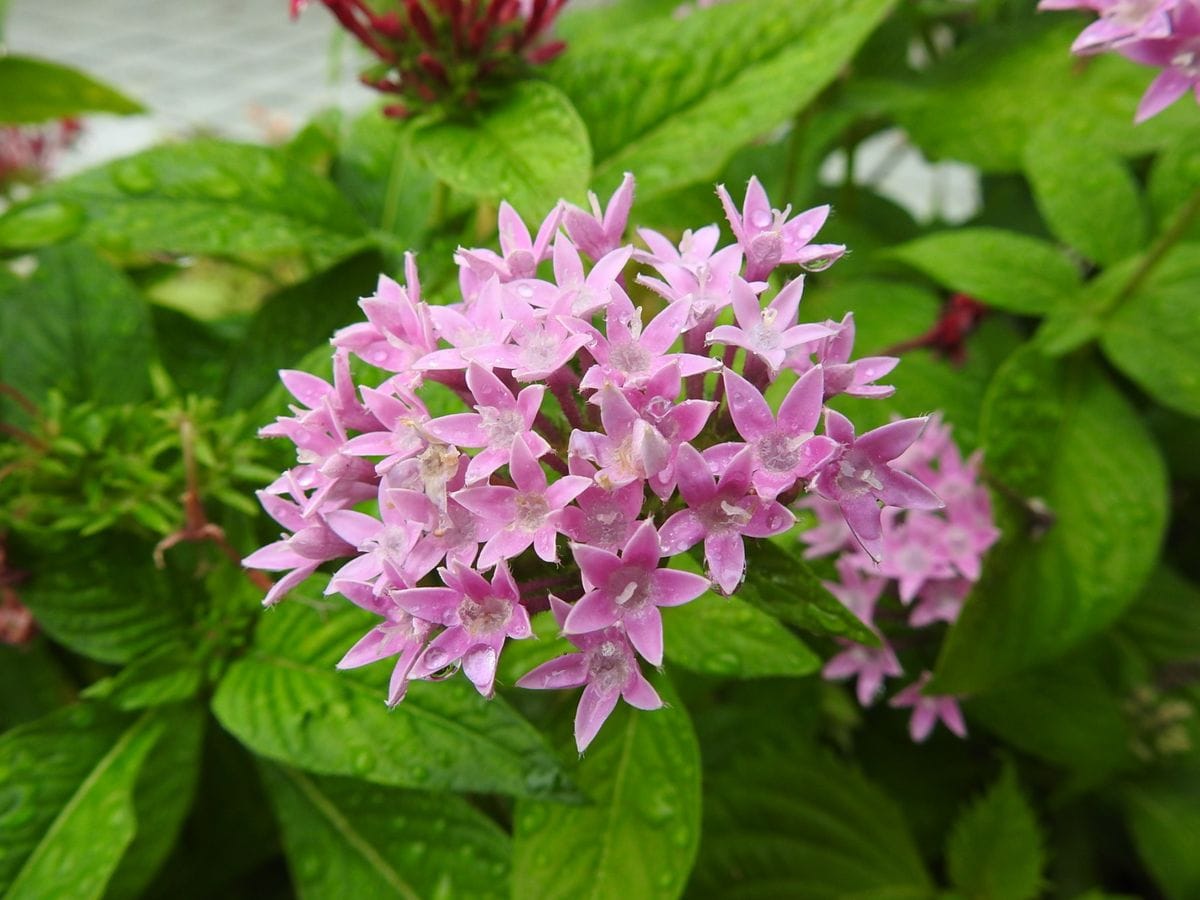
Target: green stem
1181,222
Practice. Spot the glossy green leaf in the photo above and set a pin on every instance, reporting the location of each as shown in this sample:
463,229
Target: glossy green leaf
162,798
665,101
33,682
69,778
1153,334
995,849
1164,815
792,821
1087,195
208,196
170,675
530,150
729,637
638,835
780,583
347,838
286,701
35,90
1003,269
1011,82
293,321
1063,435
78,326
108,600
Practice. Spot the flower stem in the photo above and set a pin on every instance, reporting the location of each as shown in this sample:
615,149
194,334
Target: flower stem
1178,227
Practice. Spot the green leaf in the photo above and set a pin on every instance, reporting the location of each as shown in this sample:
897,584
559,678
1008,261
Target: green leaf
346,838
1174,178
68,812
161,798
286,701
170,675
1004,269
638,836
792,821
208,197
1087,195
1011,82
77,326
995,849
1164,816
292,322
729,637
108,601
780,583
530,150
1164,621
33,682
34,90
1081,725
1060,433
667,101
1153,334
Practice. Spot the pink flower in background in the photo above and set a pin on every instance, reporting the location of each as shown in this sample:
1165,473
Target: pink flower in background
1164,34
927,711
536,413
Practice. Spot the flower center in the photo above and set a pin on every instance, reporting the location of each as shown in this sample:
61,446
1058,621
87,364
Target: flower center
631,591
608,667
483,617
856,479
778,452
629,358
532,510
501,425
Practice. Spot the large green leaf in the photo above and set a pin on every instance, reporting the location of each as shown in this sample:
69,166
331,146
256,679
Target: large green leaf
988,98
291,323
792,821
1164,816
78,326
1164,621
286,701
727,636
638,836
780,583
34,90
347,838
672,100
995,849
1175,178
1153,335
108,601
68,811
205,196
1081,723
530,150
1087,196
1059,433
162,797
1001,268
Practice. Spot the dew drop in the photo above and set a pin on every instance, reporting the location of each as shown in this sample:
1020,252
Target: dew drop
659,806
760,218
135,177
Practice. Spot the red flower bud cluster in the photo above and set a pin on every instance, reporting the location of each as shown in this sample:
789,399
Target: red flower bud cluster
447,53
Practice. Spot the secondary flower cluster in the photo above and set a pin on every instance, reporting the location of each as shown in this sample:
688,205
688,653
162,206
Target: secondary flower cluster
1160,33
445,52
930,560
28,152
547,411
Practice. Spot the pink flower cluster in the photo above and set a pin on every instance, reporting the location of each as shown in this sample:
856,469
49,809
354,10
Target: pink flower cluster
28,152
930,559
592,439
1160,33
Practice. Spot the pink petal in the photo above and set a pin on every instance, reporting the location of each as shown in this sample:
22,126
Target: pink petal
787,303
645,632
431,604
642,550
479,665
596,565
592,612
594,709
695,482
681,532
889,441
673,587
725,555
566,671
746,307
526,471
639,693
800,410
751,413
